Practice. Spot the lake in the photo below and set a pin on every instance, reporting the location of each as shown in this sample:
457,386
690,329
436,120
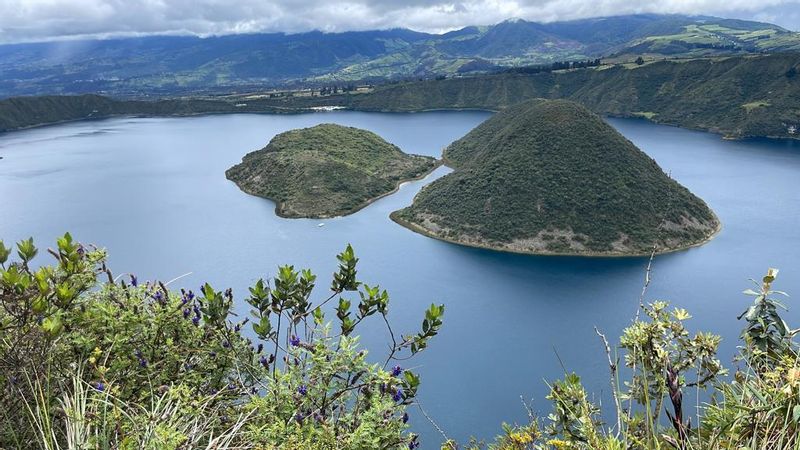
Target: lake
153,191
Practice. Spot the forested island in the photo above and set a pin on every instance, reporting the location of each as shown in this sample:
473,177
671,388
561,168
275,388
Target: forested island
327,170
551,177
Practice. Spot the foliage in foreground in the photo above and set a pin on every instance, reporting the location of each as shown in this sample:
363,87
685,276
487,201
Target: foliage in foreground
757,408
86,364
89,364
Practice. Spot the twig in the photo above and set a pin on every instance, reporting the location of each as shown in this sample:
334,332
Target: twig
435,425
177,278
613,368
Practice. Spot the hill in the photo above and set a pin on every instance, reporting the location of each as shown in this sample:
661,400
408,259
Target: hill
327,170
551,177
172,65
738,97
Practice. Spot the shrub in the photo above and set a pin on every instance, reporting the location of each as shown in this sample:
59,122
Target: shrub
86,363
759,408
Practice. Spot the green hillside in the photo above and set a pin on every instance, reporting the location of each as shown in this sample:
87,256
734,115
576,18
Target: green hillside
191,65
737,96
740,96
327,170
551,177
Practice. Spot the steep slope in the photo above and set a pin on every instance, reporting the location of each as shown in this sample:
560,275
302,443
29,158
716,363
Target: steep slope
550,177
737,96
327,170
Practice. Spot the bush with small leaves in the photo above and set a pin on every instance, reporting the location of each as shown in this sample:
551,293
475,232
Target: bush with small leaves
131,351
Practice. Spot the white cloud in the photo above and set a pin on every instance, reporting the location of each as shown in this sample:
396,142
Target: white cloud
45,19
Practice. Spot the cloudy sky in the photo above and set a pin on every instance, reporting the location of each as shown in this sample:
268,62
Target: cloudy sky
26,20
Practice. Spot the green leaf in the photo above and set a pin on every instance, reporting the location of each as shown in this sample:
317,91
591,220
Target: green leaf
4,252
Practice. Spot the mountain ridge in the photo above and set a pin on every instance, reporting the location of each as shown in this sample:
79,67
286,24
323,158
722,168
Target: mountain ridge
168,65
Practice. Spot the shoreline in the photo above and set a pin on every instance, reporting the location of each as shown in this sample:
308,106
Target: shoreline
278,111
279,205
427,233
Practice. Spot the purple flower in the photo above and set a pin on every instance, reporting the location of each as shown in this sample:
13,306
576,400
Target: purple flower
134,280
302,390
100,386
397,371
142,362
294,341
298,417
260,348
186,312
264,361
413,444
398,395
196,320
226,343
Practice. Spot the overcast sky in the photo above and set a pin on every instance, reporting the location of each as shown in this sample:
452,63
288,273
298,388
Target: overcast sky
26,20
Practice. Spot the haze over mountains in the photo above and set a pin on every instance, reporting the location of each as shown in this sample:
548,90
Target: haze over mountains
169,65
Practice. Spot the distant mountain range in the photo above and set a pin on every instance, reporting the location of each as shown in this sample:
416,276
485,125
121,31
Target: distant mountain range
170,65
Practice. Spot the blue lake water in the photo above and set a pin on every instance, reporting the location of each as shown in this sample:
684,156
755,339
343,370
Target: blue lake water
153,192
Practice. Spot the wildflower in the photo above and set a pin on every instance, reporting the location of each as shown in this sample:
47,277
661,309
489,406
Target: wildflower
100,387
405,418
398,395
260,348
793,376
134,280
520,439
196,320
298,417
263,360
186,312
226,343
143,363
414,443
294,341
302,390
397,371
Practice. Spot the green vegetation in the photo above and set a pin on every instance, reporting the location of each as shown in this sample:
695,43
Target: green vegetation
327,170
551,177
91,362
25,112
757,409
186,65
705,94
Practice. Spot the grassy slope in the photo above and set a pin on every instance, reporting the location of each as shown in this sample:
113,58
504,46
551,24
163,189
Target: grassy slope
327,170
736,96
707,94
552,177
